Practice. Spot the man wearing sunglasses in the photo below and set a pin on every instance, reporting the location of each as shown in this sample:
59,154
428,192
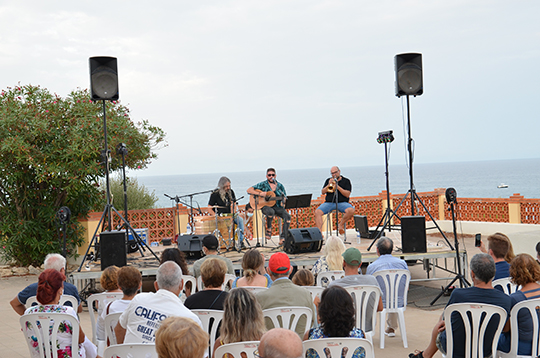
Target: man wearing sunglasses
270,194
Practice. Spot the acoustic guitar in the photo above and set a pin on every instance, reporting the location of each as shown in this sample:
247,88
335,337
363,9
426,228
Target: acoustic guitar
269,200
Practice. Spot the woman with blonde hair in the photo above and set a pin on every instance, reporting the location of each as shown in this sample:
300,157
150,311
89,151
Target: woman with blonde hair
179,337
254,272
332,259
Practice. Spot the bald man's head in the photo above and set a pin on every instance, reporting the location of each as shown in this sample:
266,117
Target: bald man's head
281,343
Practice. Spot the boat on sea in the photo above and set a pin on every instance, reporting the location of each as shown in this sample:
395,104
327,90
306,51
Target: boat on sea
502,186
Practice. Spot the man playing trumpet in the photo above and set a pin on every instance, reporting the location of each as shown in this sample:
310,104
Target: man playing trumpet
343,187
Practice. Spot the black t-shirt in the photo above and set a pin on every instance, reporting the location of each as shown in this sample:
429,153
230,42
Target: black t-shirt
215,199
206,300
345,184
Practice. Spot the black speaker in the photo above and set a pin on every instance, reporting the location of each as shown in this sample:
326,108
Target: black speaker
112,245
104,78
408,68
361,225
303,240
413,234
191,245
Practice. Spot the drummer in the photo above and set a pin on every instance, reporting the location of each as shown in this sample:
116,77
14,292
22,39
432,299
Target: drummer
221,202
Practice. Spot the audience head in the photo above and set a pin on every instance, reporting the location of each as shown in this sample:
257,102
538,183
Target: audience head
213,271
210,242
55,261
181,337
49,283
169,276
524,269
483,267
538,251
279,265
174,254
303,277
280,343
333,249
510,253
352,257
498,244
336,312
243,318
109,278
384,246
129,280
251,262
248,208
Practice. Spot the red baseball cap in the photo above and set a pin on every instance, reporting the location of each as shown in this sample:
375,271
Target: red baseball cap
279,263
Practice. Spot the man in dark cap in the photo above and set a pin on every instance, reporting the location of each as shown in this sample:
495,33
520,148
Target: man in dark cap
210,247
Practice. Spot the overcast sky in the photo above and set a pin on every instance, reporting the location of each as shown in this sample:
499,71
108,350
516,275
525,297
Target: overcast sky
244,85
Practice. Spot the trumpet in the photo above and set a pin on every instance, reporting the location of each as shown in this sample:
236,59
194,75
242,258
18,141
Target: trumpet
331,187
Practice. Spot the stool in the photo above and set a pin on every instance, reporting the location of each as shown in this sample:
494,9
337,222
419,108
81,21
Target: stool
329,224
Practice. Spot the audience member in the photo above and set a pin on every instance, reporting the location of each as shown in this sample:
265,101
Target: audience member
303,277
510,254
144,313
538,252
109,282
336,318
174,254
331,260
212,297
49,290
52,261
210,247
242,319
498,245
283,293
525,273
280,343
482,273
180,337
254,272
386,261
352,260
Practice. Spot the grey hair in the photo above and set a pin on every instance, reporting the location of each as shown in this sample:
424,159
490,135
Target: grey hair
483,267
54,261
222,181
385,245
169,275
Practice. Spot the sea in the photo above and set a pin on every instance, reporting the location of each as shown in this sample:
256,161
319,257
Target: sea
478,179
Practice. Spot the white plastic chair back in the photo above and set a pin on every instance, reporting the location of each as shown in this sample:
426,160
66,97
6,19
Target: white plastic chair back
389,281
288,317
63,299
131,350
46,343
193,280
253,289
236,349
362,297
96,304
335,347
506,284
315,292
210,320
476,317
533,306
329,276
110,322
229,278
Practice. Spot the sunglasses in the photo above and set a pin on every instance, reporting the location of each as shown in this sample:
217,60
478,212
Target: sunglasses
270,175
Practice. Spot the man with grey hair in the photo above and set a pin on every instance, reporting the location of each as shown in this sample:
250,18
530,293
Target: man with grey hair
280,343
52,261
386,261
482,291
143,316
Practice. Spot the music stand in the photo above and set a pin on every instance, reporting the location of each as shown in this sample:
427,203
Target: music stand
298,201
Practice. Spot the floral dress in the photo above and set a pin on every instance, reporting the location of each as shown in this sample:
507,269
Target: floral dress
316,333
63,343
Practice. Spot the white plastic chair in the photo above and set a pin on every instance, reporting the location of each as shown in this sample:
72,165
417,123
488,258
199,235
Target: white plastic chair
533,306
315,292
110,322
131,350
506,284
236,349
475,327
46,343
362,296
389,281
289,317
210,320
253,289
101,300
329,276
63,299
193,280
335,347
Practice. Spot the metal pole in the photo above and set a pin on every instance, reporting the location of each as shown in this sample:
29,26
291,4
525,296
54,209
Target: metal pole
107,182
409,147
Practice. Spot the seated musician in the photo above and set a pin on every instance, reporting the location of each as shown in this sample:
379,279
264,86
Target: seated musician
271,194
222,200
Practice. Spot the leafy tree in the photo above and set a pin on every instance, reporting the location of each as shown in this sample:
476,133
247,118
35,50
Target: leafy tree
139,196
50,156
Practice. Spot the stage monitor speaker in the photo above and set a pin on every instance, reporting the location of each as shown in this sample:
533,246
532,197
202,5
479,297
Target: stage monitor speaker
303,240
112,246
413,234
191,245
408,68
361,225
104,78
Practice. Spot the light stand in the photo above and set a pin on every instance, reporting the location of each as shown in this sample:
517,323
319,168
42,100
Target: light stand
122,149
451,197
64,215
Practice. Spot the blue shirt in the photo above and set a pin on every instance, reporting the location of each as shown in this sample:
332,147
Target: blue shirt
388,262
265,186
31,290
502,270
